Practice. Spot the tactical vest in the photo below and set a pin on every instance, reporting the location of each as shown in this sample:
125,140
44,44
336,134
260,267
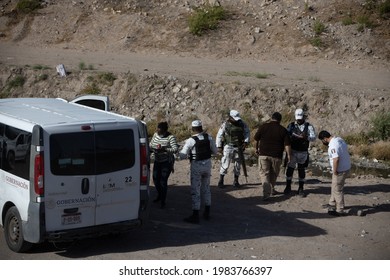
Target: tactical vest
234,134
202,148
298,144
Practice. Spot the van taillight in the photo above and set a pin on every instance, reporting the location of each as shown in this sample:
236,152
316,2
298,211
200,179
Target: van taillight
38,174
144,164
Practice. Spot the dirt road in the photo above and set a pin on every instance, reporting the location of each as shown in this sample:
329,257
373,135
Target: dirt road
328,73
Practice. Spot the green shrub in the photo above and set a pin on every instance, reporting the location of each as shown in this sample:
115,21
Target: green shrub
317,42
381,126
364,22
205,18
381,150
347,21
83,66
107,78
27,6
318,27
384,8
18,81
357,139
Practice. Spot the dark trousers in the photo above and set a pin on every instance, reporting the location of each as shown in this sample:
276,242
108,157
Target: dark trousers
161,172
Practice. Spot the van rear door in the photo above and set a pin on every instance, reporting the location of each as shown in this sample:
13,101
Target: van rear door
118,173
92,178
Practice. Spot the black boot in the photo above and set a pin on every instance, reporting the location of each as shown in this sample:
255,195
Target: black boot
206,213
236,184
301,193
287,190
194,218
220,183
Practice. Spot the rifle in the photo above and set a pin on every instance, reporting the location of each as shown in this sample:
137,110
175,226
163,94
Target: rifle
243,164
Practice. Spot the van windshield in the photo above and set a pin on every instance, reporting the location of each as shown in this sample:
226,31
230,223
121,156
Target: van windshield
91,153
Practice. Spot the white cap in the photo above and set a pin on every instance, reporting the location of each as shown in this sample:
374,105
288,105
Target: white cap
298,114
196,123
235,115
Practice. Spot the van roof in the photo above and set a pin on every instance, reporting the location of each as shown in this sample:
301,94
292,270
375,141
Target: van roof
52,111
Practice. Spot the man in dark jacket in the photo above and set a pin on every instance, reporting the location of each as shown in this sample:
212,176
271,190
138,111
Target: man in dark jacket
272,140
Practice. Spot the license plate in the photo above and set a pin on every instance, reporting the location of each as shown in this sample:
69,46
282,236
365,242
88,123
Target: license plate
71,219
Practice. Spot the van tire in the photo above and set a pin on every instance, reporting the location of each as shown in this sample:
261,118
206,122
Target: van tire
13,231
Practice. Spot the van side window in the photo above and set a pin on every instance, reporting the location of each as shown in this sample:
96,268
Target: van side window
15,147
74,153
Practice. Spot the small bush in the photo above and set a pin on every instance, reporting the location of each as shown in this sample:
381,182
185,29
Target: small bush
357,139
18,81
205,18
83,66
364,22
91,89
42,77
347,21
317,42
318,27
27,6
361,150
381,150
107,78
384,8
381,126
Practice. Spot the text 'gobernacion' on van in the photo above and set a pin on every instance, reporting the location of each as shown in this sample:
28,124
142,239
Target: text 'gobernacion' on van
68,171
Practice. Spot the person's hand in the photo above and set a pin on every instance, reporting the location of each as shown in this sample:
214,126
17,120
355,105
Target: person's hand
220,150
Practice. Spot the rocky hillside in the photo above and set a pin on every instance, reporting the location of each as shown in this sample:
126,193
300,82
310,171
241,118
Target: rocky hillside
353,34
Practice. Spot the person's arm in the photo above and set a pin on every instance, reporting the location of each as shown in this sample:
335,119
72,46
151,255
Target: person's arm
288,151
213,147
185,151
174,147
219,138
335,165
311,133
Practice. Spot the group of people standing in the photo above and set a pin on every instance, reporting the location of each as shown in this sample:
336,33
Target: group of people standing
273,143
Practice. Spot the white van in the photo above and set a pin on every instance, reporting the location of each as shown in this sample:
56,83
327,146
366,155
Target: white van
76,172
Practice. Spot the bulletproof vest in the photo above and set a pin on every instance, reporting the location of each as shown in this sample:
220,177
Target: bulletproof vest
234,134
298,144
202,148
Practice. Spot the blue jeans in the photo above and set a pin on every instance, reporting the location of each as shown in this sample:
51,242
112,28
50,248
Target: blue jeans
161,172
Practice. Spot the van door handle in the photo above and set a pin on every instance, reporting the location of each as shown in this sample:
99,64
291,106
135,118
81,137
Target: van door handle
85,186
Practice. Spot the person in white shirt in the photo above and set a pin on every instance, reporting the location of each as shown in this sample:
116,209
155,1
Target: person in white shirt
198,149
340,163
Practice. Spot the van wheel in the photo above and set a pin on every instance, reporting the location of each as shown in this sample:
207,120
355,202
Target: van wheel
13,231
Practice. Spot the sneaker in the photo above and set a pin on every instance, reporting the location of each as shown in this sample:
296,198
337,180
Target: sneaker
287,191
221,185
236,185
